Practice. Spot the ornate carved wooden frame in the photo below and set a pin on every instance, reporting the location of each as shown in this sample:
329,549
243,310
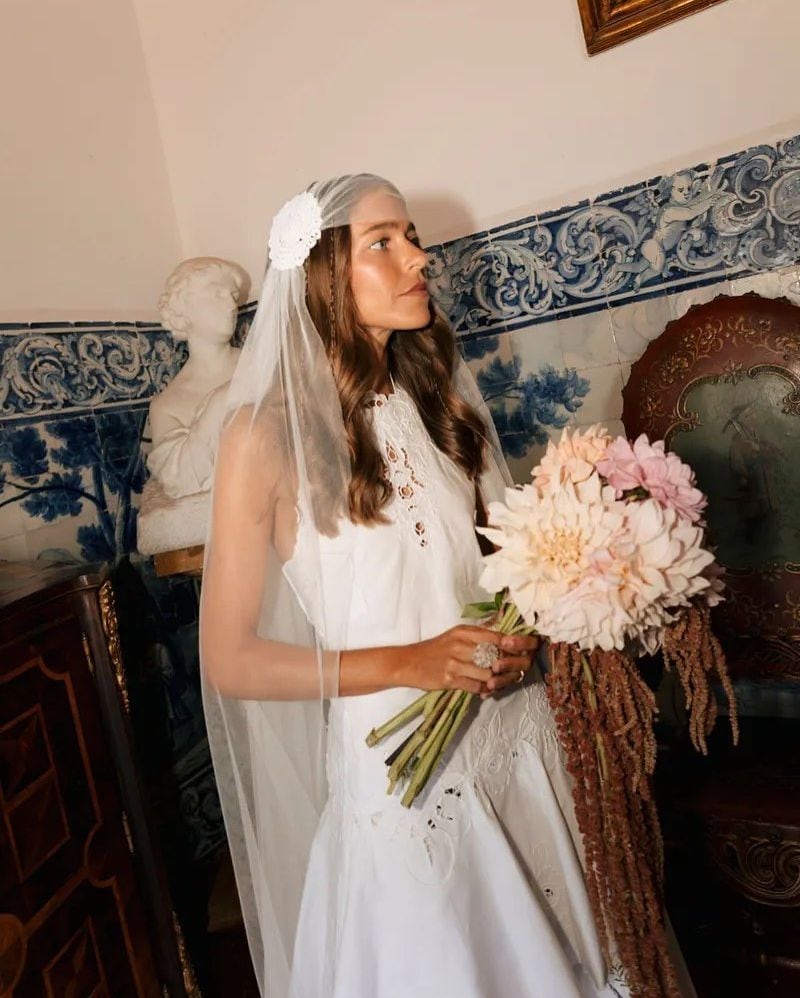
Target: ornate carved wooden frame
758,859
729,339
610,22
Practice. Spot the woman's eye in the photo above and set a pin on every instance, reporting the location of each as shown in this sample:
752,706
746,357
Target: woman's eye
380,243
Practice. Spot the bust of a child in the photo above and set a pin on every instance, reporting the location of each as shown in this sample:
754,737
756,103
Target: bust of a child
199,305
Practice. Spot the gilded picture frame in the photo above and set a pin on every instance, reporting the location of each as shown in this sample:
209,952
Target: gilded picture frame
607,23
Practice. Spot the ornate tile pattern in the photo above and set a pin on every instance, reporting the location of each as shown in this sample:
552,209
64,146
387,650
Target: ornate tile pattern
67,369
708,223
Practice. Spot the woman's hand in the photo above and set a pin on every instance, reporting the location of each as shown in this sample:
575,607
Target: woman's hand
517,655
446,661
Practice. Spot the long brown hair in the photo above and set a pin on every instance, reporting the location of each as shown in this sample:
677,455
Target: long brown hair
419,360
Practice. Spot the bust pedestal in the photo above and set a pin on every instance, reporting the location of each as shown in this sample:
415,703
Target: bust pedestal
173,531
182,561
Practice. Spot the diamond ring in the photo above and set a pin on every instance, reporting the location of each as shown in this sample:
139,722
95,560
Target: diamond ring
485,654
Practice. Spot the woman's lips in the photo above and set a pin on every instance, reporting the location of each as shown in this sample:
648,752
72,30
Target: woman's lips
418,289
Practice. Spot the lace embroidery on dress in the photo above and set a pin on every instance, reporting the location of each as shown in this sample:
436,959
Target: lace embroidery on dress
497,743
434,830
401,440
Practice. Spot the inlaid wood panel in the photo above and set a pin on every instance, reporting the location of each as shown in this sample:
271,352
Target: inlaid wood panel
71,921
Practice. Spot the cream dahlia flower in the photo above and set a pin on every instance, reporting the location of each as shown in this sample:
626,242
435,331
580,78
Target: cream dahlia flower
587,568
573,458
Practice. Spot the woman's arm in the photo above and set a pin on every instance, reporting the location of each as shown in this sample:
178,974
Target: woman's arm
235,659
242,664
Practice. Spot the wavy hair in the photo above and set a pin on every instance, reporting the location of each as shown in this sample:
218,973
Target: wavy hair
420,360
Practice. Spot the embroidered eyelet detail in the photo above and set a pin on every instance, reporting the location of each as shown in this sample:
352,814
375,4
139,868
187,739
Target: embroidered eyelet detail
404,464
432,832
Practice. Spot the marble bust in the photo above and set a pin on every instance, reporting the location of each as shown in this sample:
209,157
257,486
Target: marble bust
199,305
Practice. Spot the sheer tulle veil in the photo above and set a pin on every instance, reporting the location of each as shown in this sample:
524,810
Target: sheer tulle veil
284,414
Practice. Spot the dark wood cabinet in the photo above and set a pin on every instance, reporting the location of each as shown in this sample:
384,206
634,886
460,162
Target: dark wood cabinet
83,906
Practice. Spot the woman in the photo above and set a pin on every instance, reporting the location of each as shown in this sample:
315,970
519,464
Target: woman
357,458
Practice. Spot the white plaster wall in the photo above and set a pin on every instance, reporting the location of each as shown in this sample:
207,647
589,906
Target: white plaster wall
481,111
87,225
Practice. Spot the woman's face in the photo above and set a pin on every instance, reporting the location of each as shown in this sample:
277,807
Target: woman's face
387,266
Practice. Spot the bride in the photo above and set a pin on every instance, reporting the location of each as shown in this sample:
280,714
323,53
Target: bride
356,460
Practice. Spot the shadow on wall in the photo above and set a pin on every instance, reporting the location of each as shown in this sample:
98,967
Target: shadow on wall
440,216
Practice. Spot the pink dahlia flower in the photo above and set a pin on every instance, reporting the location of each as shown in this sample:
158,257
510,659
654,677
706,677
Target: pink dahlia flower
663,475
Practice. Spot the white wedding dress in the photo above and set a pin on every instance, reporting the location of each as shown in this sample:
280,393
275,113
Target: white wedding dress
477,890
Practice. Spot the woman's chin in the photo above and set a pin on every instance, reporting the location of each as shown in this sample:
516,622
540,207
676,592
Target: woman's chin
413,319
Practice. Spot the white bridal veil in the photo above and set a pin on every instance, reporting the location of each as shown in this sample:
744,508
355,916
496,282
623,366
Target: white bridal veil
269,662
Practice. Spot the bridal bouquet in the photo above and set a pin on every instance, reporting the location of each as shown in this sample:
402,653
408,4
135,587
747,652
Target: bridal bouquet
604,554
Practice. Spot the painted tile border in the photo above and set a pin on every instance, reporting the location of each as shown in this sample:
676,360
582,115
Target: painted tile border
713,222
709,223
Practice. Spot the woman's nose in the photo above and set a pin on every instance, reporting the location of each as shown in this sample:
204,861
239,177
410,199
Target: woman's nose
417,258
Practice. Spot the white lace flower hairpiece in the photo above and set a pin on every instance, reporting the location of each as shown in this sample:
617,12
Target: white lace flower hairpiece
295,230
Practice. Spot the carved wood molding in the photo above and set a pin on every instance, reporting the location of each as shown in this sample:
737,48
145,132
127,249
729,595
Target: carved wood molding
108,615
607,23
189,981
760,861
706,345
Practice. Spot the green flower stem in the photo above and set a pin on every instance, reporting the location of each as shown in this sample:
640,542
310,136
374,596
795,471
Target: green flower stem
392,756
429,754
398,721
510,622
418,738
508,619
444,716
522,628
432,699
463,707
